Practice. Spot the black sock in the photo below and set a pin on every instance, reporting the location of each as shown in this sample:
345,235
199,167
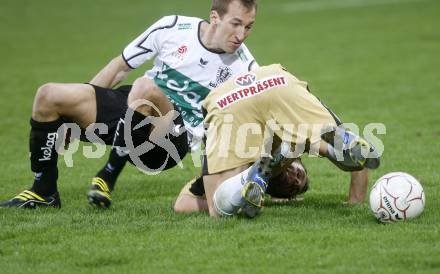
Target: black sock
117,159
119,153
43,155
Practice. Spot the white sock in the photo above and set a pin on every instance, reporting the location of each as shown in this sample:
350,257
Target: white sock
331,151
227,198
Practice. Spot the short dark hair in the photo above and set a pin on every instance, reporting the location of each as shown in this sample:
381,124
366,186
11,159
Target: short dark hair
281,187
221,6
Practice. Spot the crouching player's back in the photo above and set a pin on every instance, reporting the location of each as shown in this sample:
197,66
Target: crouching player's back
267,96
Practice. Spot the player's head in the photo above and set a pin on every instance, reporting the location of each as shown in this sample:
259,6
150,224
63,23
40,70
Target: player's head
290,183
233,20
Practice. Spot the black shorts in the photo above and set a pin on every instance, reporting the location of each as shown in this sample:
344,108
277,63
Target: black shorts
111,105
197,188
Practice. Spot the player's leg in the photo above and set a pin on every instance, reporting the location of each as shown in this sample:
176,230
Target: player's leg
74,101
357,158
145,99
111,105
227,200
52,103
347,150
240,189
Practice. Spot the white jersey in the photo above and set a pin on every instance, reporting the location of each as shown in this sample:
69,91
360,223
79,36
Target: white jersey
183,67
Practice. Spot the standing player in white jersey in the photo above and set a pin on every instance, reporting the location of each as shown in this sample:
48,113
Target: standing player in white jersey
191,55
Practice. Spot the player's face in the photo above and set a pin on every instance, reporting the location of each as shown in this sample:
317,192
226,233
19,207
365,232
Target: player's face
234,26
297,173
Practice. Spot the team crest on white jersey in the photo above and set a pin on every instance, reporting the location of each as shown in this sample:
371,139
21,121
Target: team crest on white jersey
245,80
223,74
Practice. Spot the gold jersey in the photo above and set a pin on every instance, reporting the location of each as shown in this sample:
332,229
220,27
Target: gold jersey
255,112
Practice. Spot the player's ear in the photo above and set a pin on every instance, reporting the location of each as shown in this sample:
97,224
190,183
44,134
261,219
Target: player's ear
214,17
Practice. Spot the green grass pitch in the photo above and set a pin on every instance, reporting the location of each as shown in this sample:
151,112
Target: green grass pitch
369,60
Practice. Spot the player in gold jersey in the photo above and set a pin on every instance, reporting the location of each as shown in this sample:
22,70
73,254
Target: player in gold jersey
268,117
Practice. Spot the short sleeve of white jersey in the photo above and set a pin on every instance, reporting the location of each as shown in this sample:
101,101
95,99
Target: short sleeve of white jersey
147,45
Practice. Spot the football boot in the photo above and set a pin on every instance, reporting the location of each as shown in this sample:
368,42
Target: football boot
99,194
352,152
30,199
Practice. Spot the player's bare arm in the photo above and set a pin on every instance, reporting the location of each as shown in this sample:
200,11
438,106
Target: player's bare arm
112,74
358,187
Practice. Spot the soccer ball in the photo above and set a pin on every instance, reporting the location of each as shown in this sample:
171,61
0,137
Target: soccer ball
397,196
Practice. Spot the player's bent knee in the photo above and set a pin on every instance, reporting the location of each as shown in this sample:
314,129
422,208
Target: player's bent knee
44,99
145,89
190,204
179,205
44,94
177,208
144,83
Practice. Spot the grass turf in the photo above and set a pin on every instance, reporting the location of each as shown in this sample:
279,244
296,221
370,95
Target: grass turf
371,61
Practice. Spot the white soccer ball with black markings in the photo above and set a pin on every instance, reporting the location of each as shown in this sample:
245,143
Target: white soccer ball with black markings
397,196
